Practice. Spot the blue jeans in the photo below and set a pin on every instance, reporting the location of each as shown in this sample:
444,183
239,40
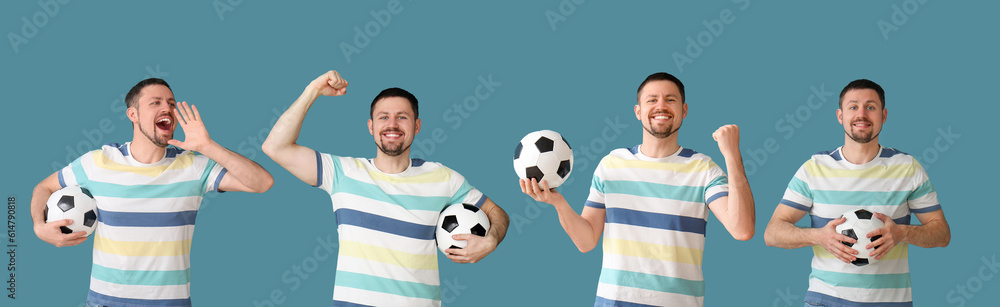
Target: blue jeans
89,304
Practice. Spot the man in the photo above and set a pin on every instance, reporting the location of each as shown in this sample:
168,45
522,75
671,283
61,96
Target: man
862,174
147,195
651,203
386,207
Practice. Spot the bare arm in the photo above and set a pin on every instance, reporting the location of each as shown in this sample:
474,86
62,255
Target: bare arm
933,232
242,173
782,232
736,211
281,144
49,232
584,229
479,247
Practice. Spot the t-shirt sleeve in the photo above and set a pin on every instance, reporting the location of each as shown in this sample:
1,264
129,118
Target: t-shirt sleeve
596,198
74,173
923,198
464,192
718,185
328,169
798,195
215,172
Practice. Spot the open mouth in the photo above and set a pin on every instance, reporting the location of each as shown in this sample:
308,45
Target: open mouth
164,124
392,135
861,124
661,117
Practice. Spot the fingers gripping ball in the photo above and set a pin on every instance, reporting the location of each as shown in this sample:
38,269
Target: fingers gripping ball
75,203
460,219
543,155
857,225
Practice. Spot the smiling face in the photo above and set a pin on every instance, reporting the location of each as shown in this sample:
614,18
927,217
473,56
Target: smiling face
862,115
393,125
152,114
660,108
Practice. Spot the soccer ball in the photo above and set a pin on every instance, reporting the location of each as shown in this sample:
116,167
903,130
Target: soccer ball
460,219
857,226
543,155
75,203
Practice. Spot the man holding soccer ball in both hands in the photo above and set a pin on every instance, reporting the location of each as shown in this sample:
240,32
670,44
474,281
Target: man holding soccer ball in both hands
862,174
148,195
386,207
651,204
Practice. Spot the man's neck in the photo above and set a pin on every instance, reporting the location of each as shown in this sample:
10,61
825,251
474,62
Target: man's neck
392,165
859,153
658,148
144,151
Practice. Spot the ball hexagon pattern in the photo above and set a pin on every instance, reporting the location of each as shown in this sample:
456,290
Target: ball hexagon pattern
543,155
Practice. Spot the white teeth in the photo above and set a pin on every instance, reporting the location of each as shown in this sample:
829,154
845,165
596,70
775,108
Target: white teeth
661,117
167,120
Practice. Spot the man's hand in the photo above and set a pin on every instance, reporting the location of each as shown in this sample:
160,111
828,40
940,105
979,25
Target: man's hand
50,232
195,135
728,137
540,191
329,84
828,238
891,234
476,249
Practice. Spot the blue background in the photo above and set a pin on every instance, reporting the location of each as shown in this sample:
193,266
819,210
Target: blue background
243,66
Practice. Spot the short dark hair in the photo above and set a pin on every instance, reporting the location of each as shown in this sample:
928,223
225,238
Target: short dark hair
133,95
395,92
861,84
661,76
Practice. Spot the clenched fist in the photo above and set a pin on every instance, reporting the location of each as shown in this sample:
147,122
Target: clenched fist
728,137
329,84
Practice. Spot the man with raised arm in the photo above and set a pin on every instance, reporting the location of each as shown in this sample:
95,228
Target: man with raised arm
148,195
386,207
651,204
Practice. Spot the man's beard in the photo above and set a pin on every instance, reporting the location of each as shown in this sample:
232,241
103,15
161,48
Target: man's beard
156,139
861,137
664,132
392,150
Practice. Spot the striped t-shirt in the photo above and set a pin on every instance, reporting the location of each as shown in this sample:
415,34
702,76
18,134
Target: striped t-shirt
146,214
656,210
385,224
828,185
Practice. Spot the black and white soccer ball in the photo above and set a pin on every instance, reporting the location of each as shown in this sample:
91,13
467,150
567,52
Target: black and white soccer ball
859,223
544,155
75,203
460,219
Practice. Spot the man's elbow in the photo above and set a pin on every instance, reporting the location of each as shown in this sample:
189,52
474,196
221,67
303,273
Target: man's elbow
744,235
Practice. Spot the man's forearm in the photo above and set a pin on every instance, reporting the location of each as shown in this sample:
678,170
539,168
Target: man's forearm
741,204
931,234
244,170
498,223
788,236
